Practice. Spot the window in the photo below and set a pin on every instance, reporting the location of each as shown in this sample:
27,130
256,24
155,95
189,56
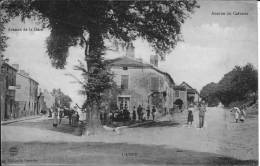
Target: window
177,93
124,81
125,68
154,83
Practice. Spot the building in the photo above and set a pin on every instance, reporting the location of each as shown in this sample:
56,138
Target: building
180,97
46,101
192,94
141,84
185,95
26,94
8,87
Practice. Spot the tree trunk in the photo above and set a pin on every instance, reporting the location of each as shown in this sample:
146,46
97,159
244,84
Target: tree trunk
93,53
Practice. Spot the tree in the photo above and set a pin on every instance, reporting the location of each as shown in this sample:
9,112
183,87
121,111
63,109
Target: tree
236,85
61,99
209,94
88,23
3,37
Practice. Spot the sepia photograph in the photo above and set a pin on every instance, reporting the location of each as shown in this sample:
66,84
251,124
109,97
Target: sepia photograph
129,82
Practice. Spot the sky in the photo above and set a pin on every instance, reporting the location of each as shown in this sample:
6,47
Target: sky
212,46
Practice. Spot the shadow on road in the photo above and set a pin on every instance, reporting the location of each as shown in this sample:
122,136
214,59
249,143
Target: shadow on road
100,153
157,124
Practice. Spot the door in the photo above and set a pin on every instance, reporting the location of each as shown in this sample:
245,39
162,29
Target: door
123,102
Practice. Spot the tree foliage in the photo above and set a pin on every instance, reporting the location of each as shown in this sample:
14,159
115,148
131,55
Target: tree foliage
209,94
3,38
61,99
236,85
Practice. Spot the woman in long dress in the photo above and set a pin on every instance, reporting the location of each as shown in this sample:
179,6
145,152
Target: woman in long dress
237,113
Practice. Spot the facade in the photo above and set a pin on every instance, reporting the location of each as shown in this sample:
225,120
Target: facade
184,95
192,94
46,101
141,84
26,95
8,87
180,97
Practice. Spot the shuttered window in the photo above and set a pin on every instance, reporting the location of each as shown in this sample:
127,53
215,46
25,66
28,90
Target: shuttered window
124,81
154,83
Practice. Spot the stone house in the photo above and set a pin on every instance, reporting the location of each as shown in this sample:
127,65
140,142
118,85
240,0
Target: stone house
180,97
26,94
7,93
184,95
193,96
141,84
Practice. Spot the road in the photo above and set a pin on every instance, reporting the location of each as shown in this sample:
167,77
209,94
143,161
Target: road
166,142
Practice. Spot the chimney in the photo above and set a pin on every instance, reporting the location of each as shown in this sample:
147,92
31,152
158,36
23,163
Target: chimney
130,50
16,66
154,60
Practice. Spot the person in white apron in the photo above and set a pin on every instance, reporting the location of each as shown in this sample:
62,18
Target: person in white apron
237,113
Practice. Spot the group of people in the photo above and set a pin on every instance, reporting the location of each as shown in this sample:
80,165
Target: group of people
201,109
141,112
137,114
59,114
240,113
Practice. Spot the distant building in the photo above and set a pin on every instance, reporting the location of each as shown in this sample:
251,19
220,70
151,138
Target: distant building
7,87
192,94
46,100
184,95
180,97
26,94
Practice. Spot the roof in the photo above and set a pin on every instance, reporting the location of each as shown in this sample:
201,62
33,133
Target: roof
126,61
27,76
9,66
191,90
179,87
130,62
186,84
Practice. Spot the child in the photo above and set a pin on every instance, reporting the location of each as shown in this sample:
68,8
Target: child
190,117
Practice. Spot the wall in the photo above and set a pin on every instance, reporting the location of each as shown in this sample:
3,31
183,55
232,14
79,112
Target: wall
139,85
22,96
9,77
182,96
26,95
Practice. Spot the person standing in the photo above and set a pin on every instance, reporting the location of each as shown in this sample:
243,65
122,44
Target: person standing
202,110
139,112
243,113
70,113
60,115
134,114
153,112
55,118
237,113
148,112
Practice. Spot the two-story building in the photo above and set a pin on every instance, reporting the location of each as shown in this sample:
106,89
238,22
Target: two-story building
8,87
184,95
141,84
26,94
